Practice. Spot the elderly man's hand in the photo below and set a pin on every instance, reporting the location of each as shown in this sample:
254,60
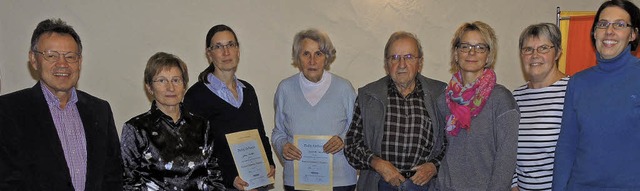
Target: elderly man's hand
424,173
334,145
389,172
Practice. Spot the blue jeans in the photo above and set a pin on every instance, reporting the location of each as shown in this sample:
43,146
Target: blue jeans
407,185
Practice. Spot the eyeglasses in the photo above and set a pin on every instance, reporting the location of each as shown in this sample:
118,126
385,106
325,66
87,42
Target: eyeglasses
409,58
220,47
541,50
54,56
478,48
618,25
163,81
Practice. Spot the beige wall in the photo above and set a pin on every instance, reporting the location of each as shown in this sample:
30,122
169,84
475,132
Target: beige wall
119,36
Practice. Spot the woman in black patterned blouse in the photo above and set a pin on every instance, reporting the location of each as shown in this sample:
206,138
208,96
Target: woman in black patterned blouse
168,148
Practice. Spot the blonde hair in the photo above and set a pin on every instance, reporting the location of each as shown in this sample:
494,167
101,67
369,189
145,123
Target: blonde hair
488,35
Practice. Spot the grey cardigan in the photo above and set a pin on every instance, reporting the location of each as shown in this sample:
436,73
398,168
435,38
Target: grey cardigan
372,99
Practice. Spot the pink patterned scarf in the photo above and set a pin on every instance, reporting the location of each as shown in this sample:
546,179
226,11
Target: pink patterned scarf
467,101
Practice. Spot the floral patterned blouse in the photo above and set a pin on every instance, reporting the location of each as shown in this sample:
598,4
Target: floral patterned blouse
159,154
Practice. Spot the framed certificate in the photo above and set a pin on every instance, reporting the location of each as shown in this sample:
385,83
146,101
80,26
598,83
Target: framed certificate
314,171
250,158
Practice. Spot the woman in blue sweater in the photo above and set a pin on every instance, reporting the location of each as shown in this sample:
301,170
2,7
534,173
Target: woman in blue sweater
314,102
600,133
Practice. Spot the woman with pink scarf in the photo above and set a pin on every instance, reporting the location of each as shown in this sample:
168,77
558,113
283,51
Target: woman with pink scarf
482,117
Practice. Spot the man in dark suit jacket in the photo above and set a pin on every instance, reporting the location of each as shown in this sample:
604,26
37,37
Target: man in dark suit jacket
52,136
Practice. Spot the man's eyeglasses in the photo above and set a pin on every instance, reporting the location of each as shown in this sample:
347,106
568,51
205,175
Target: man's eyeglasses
478,48
164,81
541,50
220,47
409,58
54,56
618,25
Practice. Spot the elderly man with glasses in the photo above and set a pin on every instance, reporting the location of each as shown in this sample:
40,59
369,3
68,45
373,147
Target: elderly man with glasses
397,137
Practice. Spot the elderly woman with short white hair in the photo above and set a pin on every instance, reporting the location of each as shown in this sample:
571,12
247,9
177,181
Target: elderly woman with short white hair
314,102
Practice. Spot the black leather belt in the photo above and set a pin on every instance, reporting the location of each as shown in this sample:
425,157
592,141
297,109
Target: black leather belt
408,174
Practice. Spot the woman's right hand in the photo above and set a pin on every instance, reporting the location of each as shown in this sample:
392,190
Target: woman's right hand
291,152
240,184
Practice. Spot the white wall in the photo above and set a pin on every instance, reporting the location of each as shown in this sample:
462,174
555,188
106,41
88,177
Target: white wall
120,35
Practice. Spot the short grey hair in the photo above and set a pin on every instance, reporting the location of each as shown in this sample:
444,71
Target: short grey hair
323,40
542,31
402,35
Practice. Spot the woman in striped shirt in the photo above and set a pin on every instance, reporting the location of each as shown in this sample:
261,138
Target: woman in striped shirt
540,101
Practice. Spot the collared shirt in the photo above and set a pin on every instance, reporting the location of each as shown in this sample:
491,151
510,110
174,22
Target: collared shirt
408,131
220,89
71,134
